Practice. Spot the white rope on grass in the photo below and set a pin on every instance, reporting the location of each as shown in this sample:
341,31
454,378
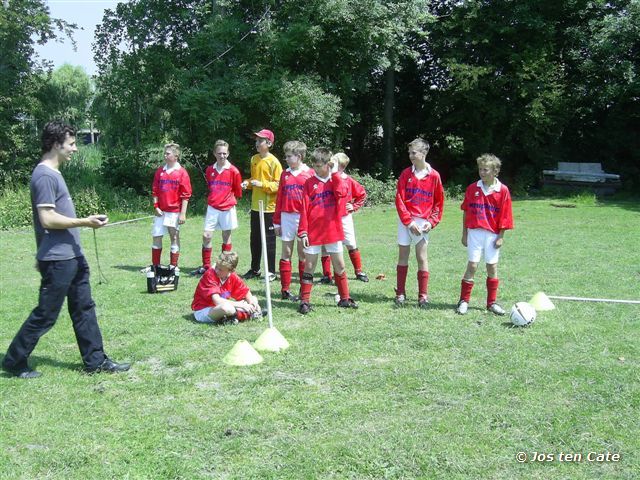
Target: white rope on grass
607,300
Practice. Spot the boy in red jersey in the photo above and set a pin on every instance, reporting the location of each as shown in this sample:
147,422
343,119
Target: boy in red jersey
487,215
321,226
419,202
221,295
171,190
286,217
224,182
354,201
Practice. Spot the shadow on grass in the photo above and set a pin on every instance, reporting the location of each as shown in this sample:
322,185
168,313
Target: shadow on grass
37,360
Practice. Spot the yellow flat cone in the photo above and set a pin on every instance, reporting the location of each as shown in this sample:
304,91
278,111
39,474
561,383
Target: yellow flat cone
242,354
271,340
541,302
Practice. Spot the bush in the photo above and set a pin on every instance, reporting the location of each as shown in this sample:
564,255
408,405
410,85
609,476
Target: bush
379,192
15,207
133,168
88,202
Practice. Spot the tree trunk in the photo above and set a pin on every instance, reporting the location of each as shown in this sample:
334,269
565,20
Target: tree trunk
387,122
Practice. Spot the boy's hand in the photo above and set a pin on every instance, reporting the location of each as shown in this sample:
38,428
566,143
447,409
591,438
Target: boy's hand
499,242
427,227
256,183
277,231
182,218
244,185
349,207
413,228
464,238
305,241
158,212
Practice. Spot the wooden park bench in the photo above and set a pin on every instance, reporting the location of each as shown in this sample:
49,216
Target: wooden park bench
582,175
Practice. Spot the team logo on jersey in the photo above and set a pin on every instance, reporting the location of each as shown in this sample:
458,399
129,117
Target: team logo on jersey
410,180
315,186
477,194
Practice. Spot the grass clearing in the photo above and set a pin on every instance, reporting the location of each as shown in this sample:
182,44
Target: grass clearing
373,393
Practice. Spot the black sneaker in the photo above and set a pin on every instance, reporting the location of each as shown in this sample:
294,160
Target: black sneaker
251,274
287,295
423,302
198,271
25,373
326,280
108,366
304,308
362,277
347,303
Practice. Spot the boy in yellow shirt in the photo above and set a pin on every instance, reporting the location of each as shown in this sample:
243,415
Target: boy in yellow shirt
263,183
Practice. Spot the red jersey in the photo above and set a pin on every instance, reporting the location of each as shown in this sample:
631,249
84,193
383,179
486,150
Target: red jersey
225,186
420,197
356,194
290,191
209,285
322,203
489,210
170,187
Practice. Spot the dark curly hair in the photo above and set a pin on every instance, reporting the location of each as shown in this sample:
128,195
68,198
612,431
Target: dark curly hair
55,132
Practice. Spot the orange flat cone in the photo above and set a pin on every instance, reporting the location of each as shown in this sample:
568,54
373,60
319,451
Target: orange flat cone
271,340
541,302
242,354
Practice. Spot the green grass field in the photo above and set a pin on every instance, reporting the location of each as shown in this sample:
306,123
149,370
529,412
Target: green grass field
373,393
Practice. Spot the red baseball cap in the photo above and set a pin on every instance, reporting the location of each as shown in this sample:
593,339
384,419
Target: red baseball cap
264,133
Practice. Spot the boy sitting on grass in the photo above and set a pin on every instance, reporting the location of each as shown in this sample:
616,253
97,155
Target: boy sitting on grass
221,296
487,215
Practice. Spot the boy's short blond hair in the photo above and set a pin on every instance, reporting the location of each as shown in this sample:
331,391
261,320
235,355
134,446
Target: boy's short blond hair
228,260
490,160
220,143
174,148
341,159
321,155
296,147
420,144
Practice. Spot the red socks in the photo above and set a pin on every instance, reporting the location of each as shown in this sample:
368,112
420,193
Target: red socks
226,247
343,285
492,290
174,258
465,290
285,274
326,266
206,257
423,283
306,285
300,269
156,254
356,261
401,271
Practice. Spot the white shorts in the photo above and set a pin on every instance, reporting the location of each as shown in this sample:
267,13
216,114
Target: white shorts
405,237
289,222
335,247
220,219
481,241
349,231
161,224
202,315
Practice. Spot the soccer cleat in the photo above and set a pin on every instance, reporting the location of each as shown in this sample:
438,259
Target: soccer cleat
228,320
399,300
423,302
287,295
496,309
198,271
326,280
251,274
347,303
145,269
259,315
304,308
362,277
462,307
272,277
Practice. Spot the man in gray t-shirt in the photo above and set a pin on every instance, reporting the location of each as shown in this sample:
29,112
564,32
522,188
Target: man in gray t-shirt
62,266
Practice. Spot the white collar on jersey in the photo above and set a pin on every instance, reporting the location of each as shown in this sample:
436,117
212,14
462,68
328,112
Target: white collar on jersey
172,169
226,166
323,180
423,173
495,187
295,173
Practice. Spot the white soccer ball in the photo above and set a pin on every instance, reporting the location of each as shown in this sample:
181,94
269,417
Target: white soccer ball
523,314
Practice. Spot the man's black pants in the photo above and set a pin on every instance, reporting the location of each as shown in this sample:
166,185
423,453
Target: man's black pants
60,279
256,242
